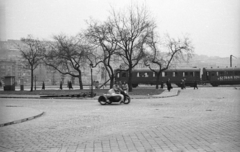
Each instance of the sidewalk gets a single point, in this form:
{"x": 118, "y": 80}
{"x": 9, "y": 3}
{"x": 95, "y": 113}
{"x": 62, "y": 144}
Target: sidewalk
{"x": 12, "y": 115}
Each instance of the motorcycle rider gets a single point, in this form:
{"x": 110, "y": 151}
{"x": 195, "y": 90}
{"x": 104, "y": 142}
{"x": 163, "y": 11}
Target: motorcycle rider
{"x": 116, "y": 90}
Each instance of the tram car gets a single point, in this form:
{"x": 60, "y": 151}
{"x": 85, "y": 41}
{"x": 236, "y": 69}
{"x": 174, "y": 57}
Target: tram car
{"x": 221, "y": 76}
{"x": 146, "y": 76}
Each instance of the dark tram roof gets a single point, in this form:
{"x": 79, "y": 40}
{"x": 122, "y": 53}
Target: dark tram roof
{"x": 168, "y": 70}
{"x": 222, "y": 69}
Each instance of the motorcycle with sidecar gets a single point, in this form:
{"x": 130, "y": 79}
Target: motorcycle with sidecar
{"x": 115, "y": 98}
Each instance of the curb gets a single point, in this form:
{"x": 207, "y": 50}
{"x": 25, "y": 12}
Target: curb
{"x": 21, "y": 120}
{"x": 87, "y": 98}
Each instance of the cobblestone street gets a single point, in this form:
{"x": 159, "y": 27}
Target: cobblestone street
{"x": 203, "y": 120}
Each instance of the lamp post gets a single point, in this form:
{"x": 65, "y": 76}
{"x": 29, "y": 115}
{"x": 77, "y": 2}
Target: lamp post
{"x": 91, "y": 65}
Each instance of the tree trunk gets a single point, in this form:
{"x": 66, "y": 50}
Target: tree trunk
{"x": 80, "y": 81}
{"x": 157, "y": 80}
{"x": 31, "y": 79}
{"x": 130, "y": 80}
{"x": 111, "y": 81}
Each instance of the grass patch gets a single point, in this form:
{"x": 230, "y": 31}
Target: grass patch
{"x": 137, "y": 91}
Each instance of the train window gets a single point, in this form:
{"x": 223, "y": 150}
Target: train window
{"x": 230, "y": 73}
{"x": 163, "y": 74}
{"x": 186, "y": 73}
{"x": 118, "y": 75}
{"x": 166, "y": 73}
{"x": 153, "y": 74}
{"x": 145, "y": 74}
{"x": 212, "y": 73}
{"x": 174, "y": 74}
{"x": 138, "y": 74}
{"x": 183, "y": 74}
{"x": 237, "y": 72}
{"x": 217, "y": 73}
{"x": 124, "y": 75}
{"x": 221, "y": 73}
{"x": 191, "y": 74}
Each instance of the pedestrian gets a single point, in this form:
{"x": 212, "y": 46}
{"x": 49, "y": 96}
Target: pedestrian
{"x": 60, "y": 85}
{"x": 70, "y": 85}
{"x": 182, "y": 84}
{"x": 169, "y": 86}
{"x": 43, "y": 86}
{"x": 162, "y": 85}
{"x": 195, "y": 85}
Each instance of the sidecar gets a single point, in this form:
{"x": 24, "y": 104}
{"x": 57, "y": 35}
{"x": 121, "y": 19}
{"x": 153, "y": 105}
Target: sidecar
{"x": 106, "y": 99}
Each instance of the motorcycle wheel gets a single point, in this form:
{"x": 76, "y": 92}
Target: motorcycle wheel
{"x": 128, "y": 100}
{"x": 102, "y": 100}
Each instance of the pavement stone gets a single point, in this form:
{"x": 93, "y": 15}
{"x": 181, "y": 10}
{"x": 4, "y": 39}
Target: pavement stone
{"x": 206, "y": 119}
{"x": 12, "y": 114}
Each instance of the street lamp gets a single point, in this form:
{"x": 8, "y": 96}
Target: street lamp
{"x": 91, "y": 66}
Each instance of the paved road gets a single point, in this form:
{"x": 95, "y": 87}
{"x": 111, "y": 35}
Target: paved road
{"x": 197, "y": 120}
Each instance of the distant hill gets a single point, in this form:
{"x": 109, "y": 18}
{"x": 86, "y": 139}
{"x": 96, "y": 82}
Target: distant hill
{"x": 7, "y": 51}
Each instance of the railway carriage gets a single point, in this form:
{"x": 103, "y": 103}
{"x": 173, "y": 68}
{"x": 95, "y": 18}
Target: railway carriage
{"x": 146, "y": 76}
{"x": 221, "y": 76}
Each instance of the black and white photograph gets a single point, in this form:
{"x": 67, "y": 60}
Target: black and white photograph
{"x": 119, "y": 75}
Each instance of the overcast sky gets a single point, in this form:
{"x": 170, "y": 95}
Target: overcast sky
{"x": 213, "y": 25}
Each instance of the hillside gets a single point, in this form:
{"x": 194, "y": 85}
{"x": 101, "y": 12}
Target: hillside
{"x": 7, "y": 51}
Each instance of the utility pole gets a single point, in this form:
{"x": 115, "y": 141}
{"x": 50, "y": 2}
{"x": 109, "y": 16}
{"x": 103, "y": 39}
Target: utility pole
{"x": 231, "y": 60}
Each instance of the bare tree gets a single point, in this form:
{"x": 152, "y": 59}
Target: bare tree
{"x": 32, "y": 51}
{"x": 67, "y": 55}
{"x": 100, "y": 35}
{"x": 177, "y": 50}
{"x": 130, "y": 30}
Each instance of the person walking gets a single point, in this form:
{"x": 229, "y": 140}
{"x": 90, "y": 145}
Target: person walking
{"x": 60, "y": 85}
{"x": 43, "y": 86}
{"x": 182, "y": 84}
{"x": 70, "y": 85}
{"x": 169, "y": 86}
{"x": 162, "y": 85}
{"x": 195, "y": 85}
